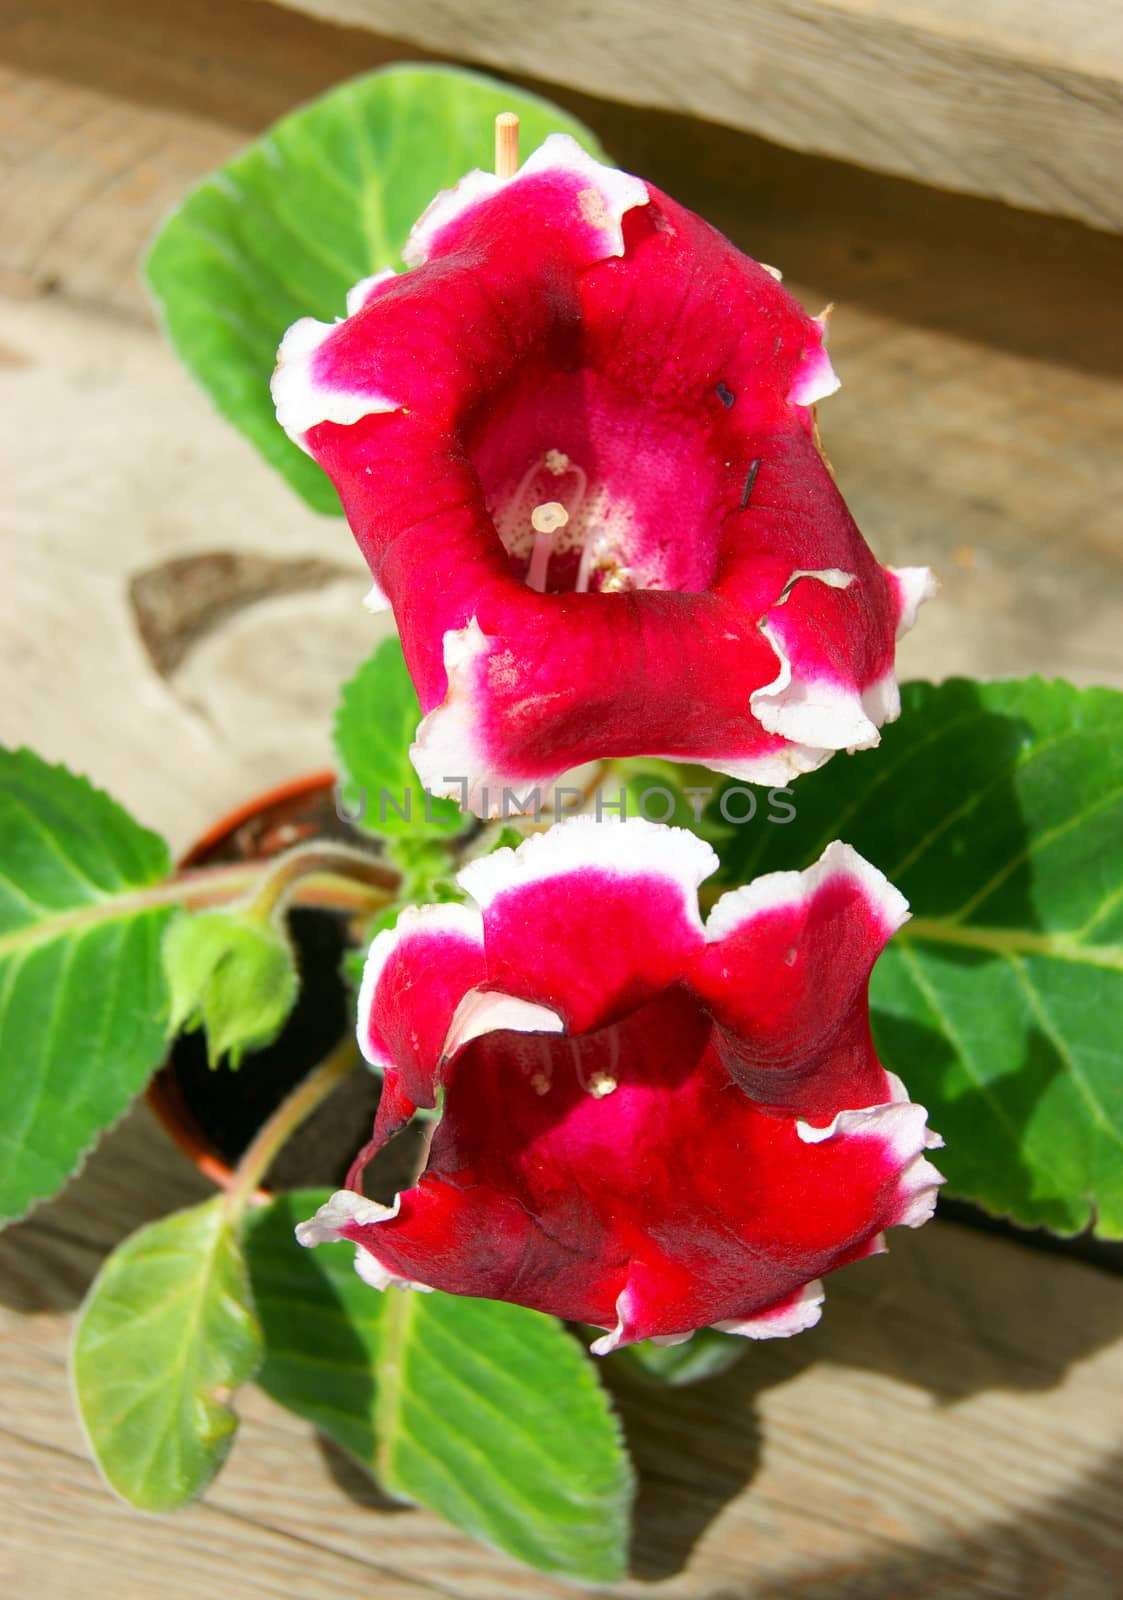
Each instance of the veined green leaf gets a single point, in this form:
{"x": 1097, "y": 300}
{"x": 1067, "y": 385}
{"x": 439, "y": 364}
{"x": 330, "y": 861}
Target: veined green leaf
{"x": 167, "y": 1334}
{"x": 326, "y": 197}
{"x": 375, "y": 724}
{"x": 81, "y": 992}
{"x": 489, "y": 1414}
{"x": 997, "y": 809}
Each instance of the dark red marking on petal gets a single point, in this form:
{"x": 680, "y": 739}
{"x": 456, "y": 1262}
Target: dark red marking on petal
{"x": 754, "y": 468}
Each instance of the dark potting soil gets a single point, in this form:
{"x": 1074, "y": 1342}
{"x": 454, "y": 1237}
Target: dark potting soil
{"x": 230, "y": 1106}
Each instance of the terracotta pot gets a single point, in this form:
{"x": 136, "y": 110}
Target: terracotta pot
{"x": 262, "y": 827}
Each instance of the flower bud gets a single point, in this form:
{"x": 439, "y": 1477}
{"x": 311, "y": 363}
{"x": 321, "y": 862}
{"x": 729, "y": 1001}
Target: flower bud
{"x": 235, "y": 978}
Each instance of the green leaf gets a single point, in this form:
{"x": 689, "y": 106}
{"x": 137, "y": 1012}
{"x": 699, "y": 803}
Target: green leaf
{"x": 659, "y": 791}
{"x": 326, "y": 197}
{"x": 375, "y": 724}
{"x": 81, "y": 994}
{"x": 233, "y": 977}
{"x": 487, "y": 1413}
{"x": 997, "y": 809}
{"x": 167, "y": 1333}
{"x": 507, "y": 838}
{"x": 705, "y": 1355}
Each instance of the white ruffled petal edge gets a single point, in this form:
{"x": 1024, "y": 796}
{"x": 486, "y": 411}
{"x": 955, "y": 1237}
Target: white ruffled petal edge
{"x": 815, "y": 378}
{"x": 375, "y": 600}
{"x": 822, "y": 716}
{"x": 915, "y": 585}
{"x": 444, "y": 918}
{"x": 634, "y": 848}
{"x": 326, "y": 1227}
{"x": 818, "y": 717}
{"x": 607, "y": 195}
{"x": 445, "y": 751}
{"x": 903, "y": 1127}
{"x": 302, "y": 401}
{"x": 802, "y": 1314}
{"x": 778, "y": 889}
{"x": 622, "y": 1332}
{"x": 484, "y": 1011}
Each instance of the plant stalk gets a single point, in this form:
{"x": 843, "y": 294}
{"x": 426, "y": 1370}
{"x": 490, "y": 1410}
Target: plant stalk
{"x": 284, "y": 873}
{"x": 332, "y": 877}
{"x": 279, "y": 1128}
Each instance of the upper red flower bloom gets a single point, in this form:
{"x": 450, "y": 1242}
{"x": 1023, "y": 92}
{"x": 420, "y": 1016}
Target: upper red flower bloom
{"x": 648, "y": 1125}
{"x": 576, "y": 445}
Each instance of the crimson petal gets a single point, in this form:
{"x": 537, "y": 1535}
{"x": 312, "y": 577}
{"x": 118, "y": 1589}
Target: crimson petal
{"x": 572, "y": 341}
{"x": 613, "y": 1148}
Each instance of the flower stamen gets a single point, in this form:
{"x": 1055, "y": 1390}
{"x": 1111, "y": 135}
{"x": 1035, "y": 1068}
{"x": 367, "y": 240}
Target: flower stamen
{"x": 547, "y": 520}
{"x": 602, "y": 1084}
{"x": 593, "y": 552}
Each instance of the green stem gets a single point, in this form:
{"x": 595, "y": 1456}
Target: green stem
{"x": 275, "y": 1133}
{"x": 379, "y": 880}
{"x": 1012, "y": 942}
{"x": 197, "y": 888}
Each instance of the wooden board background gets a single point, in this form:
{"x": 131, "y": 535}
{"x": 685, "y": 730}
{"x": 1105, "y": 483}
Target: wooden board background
{"x": 953, "y": 1428}
{"x": 1016, "y": 102}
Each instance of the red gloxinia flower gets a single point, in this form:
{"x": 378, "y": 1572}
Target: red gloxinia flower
{"x": 576, "y": 445}
{"x": 648, "y": 1125}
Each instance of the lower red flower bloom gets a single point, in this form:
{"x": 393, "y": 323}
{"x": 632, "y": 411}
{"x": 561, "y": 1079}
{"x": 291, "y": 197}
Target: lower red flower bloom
{"x": 648, "y": 1124}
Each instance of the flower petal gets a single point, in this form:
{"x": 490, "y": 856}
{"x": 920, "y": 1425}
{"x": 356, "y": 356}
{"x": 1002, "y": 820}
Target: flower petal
{"x": 585, "y": 199}
{"x": 632, "y": 1186}
{"x": 627, "y": 891}
{"x": 347, "y": 1210}
{"x": 785, "y": 974}
{"x": 306, "y": 386}
{"x": 489, "y": 1011}
{"x": 794, "y": 1314}
{"x": 902, "y": 1127}
{"x": 416, "y": 975}
{"x": 572, "y": 337}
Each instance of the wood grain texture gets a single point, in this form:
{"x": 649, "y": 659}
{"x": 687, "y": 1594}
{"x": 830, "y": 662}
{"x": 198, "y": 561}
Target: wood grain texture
{"x": 948, "y": 1430}
{"x": 962, "y": 97}
{"x": 1001, "y": 471}
{"x": 109, "y": 114}
{"x": 952, "y": 1428}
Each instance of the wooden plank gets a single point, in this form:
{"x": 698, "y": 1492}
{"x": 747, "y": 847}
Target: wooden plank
{"x": 982, "y": 99}
{"x": 950, "y": 1427}
{"x": 108, "y": 114}
{"x": 947, "y": 1429}
{"x": 884, "y": 1453}
{"x": 1002, "y": 472}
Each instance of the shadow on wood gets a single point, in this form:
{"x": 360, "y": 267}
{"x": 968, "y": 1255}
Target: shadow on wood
{"x": 1068, "y": 1548}
{"x": 1033, "y": 284}
{"x": 348, "y": 1476}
